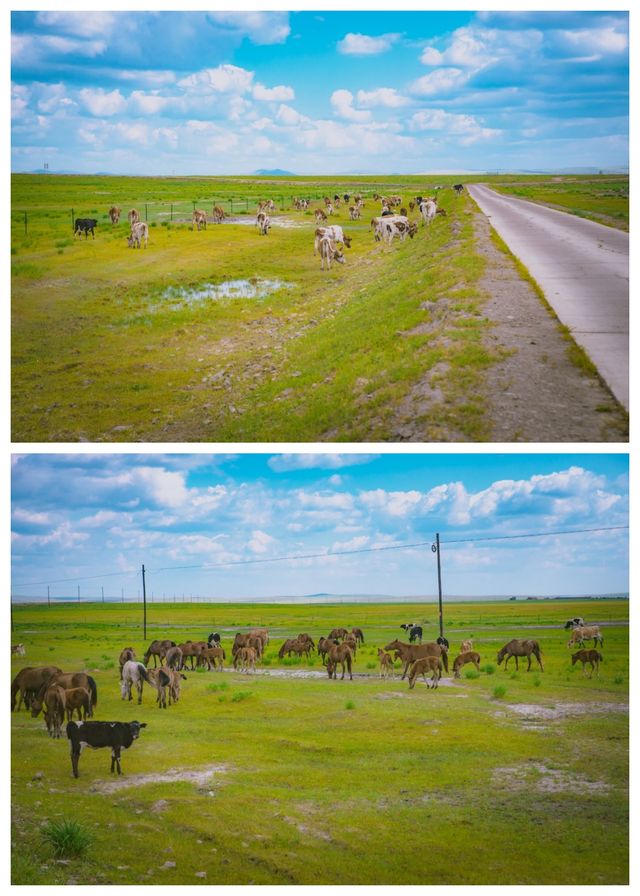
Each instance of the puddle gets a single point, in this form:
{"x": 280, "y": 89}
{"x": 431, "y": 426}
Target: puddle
{"x": 535, "y": 712}
{"x": 198, "y": 776}
{"x": 275, "y": 222}
{"x": 178, "y": 296}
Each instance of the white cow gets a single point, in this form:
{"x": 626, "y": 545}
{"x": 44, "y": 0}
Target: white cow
{"x": 139, "y": 232}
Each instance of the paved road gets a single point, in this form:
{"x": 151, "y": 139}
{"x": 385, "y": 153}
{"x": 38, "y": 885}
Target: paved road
{"x": 583, "y": 270}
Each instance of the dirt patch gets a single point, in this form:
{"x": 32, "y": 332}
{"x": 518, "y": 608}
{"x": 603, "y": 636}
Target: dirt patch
{"x": 198, "y": 776}
{"x": 538, "y": 777}
{"x": 563, "y": 710}
{"x": 536, "y": 393}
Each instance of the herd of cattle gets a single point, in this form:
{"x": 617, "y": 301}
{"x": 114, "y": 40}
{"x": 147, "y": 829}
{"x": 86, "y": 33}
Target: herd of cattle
{"x": 330, "y": 241}
{"x": 59, "y": 695}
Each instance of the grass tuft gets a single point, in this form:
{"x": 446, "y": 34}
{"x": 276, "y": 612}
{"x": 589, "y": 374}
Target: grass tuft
{"x": 499, "y": 691}
{"x": 67, "y": 837}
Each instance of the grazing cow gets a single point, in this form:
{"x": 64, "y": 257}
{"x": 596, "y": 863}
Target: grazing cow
{"x": 29, "y": 682}
{"x": 576, "y": 622}
{"x": 18, "y": 650}
{"x": 409, "y": 653}
{"x": 78, "y": 699}
{"x": 126, "y": 654}
{"x": 117, "y": 735}
{"x": 585, "y": 633}
{"x": 263, "y": 223}
{"x": 459, "y": 188}
{"x": 428, "y": 211}
{"x": 329, "y": 252}
{"x": 520, "y": 647}
{"x": 133, "y": 216}
{"x": 422, "y": 666}
{"x": 85, "y": 225}
{"x": 134, "y": 672}
{"x": 407, "y": 626}
{"x": 354, "y": 212}
{"x": 139, "y": 232}
{"x": 415, "y": 634}
{"x": 213, "y": 640}
{"x": 469, "y": 656}
{"x": 398, "y": 226}
{"x": 386, "y": 663}
{"x": 320, "y": 216}
{"x": 593, "y": 657}
{"x": 334, "y": 232}
{"x": 114, "y": 214}
{"x": 198, "y": 219}
{"x": 339, "y": 653}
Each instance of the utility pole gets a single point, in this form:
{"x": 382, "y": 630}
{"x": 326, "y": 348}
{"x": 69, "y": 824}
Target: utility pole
{"x": 436, "y": 550}
{"x": 144, "y": 600}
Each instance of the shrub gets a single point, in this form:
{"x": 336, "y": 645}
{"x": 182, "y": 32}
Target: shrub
{"x": 239, "y": 696}
{"x": 471, "y": 673}
{"x": 349, "y": 705}
{"x": 537, "y": 681}
{"x": 371, "y": 665}
{"x": 266, "y": 661}
{"x": 488, "y": 668}
{"x": 223, "y": 686}
{"x": 499, "y": 691}
{"x": 67, "y": 837}
{"x": 618, "y": 679}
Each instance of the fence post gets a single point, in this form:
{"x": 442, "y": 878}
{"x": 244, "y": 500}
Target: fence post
{"x": 231, "y": 206}
{"x": 146, "y": 214}
{"x": 172, "y": 211}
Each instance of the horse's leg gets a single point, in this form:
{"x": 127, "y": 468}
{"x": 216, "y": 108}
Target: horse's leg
{"x": 539, "y": 661}
{"x": 405, "y": 669}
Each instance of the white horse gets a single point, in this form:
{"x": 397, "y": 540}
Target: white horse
{"x": 136, "y": 673}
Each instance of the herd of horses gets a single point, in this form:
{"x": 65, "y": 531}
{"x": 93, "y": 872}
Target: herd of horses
{"x": 60, "y": 694}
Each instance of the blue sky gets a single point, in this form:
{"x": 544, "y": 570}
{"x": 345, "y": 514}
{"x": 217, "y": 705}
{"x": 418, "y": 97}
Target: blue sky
{"x": 332, "y": 92}
{"x": 76, "y": 516}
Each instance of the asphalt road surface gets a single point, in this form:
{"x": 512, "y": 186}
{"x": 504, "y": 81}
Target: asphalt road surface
{"x": 582, "y": 268}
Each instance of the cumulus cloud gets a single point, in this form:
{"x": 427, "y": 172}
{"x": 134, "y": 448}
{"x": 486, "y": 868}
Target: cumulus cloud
{"x": 82, "y": 24}
{"x": 466, "y": 127}
{"x": 440, "y": 81}
{"x": 382, "y": 96}
{"x": 259, "y": 27}
{"x": 222, "y": 79}
{"x": 365, "y": 45}
{"x": 342, "y": 103}
{"x": 260, "y": 541}
{"x": 281, "y": 93}
{"x": 102, "y": 103}
{"x": 284, "y": 463}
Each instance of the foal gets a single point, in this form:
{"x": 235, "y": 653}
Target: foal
{"x": 593, "y": 657}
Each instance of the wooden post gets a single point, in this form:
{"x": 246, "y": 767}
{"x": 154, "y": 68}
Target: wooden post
{"x": 172, "y": 211}
{"x": 146, "y": 212}
{"x": 437, "y": 546}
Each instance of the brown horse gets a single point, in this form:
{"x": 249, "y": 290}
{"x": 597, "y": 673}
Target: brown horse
{"x": 593, "y": 657}
{"x": 518, "y": 648}
{"x": 190, "y": 650}
{"x": 68, "y": 680}
{"x": 56, "y": 701}
{"x": 422, "y": 666}
{"x": 469, "y": 656}
{"x": 357, "y": 632}
{"x": 323, "y": 648}
{"x": 338, "y": 634}
{"x": 409, "y": 653}
{"x": 214, "y": 657}
{"x": 339, "y": 653}
{"x": 386, "y": 663}
{"x": 157, "y": 650}
{"x": 28, "y": 682}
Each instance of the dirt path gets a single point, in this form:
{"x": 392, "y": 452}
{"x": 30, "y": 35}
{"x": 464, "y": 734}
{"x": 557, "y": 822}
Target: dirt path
{"x": 537, "y": 393}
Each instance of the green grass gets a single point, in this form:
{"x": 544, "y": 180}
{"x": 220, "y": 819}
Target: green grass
{"x": 602, "y": 199}
{"x": 67, "y": 838}
{"x": 309, "y": 776}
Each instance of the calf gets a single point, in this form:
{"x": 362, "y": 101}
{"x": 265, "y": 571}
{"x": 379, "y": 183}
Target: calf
{"x": 329, "y": 252}
{"x": 334, "y": 232}
{"x": 114, "y": 214}
{"x": 139, "y": 232}
{"x": 116, "y": 735}
{"x": 218, "y": 214}
{"x": 85, "y": 225}
{"x": 133, "y": 216}
{"x": 199, "y": 219}
{"x": 263, "y": 223}
{"x": 18, "y": 650}
{"x": 459, "y": 188}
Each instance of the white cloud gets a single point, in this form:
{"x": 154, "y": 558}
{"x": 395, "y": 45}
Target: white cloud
{"x": 394, "y": 503}
{"x": 223, "y": 79}
{"x": 464, "y": 126}
{"x": 101, "y": 103}
{"x": 20, "y": 96}
{"x": 342, "y": 102}
{"x": 382, "y": 96}
{"x": 278, "y": 94}
{"x": 164, "y": 487}
{"x": 365, "y": 45}
{"x": 283, "y": 463}
{"x": 260, "y": 541}
{"x": 82, "y": 24}
{"x": 442, "y": 80}
{"x": 260, "y": 27}
{"x": 31, "y": 518}
{"x": 325, "y": 500}
{"x": 149, "y": 103}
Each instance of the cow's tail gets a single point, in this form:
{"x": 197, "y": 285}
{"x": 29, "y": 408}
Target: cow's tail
{"x": 93, "y": 687}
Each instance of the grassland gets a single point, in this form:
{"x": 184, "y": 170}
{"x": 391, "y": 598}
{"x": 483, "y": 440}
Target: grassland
{"x": 605, "y": 199}
{"x": 101, "y": 351}
{"x": 505, "y": 777}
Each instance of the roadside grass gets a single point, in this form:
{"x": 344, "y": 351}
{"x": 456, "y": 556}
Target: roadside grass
{"x": 315, "y": 780}
{"x": 605, "y": 200}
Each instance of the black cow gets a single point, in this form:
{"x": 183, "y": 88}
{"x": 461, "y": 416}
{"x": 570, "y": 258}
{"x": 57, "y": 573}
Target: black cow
{"x": 442, "y": 642}
{"x": 102, "y": 734}
{"x": 576, "y": 622}
{"x": 84, "y": 225}
{"x": 213, "y": 640}
{"x": 459, "y": 188}
{"x": 346, "y": 197}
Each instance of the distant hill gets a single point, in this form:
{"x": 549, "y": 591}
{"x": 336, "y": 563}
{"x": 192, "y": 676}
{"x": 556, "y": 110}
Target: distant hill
{"x": 273, "y": 172}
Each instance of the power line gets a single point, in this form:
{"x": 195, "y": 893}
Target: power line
{"x": 324, "y": 554}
